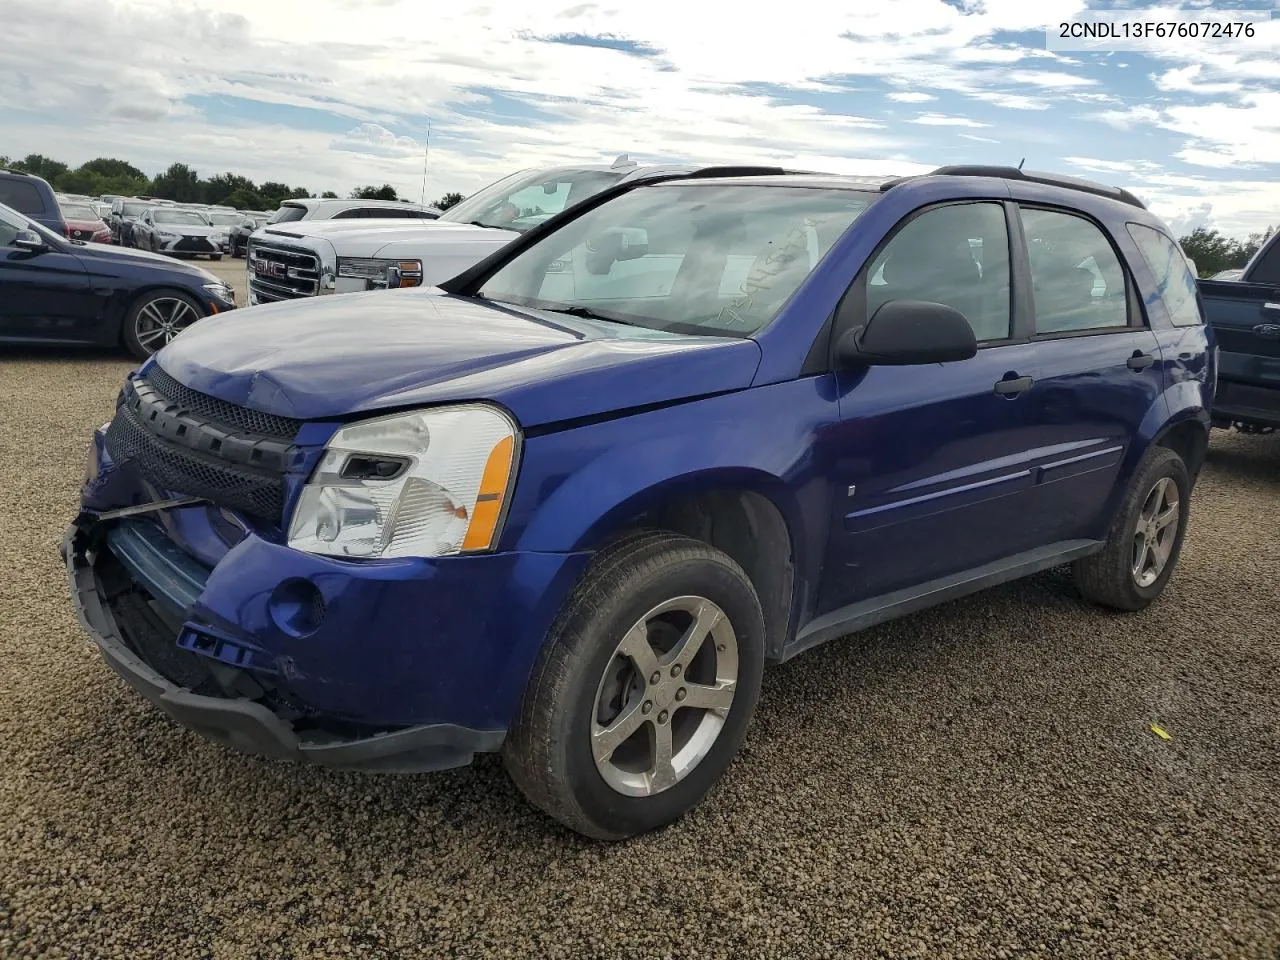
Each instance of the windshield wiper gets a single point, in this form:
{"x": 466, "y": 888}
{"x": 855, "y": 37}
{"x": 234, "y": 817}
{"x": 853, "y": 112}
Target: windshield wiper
{"x": 585, "y": 314}
{"x": 487, "y": 226}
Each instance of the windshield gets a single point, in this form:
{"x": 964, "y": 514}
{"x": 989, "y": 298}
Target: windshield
{"x": 523, "y": 200}
{"x": 79, "y": 211}
{"x": 698, "y": 259}
{"x": 224, "y": 219}
{"x": 133, "y": 209}
{"x": 288, "y": 213}
{"x": 185, "y": 217}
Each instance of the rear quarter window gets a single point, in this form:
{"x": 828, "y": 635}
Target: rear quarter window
{"x": 1175, "y": 286}
{"x": 22, "y": 196}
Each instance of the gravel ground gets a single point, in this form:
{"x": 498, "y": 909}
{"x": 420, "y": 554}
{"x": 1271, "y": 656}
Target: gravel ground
{"x": 977, "y": 781}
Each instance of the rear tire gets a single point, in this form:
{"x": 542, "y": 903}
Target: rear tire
{"x": 697, "y": 619}
{"x": 215, "y": 257}
{"x": 1146, "y": 538}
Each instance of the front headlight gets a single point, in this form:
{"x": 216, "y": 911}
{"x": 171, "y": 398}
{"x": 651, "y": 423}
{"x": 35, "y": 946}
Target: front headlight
{"x": 166, "y": 235}
{"x": 425, "y": 484}
{"x": 221, "y": 291}
{"x": 219, "y": 238}
{"x": 382, "y": 273}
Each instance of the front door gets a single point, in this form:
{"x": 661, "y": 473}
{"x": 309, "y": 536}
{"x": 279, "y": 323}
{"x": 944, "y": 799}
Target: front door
{"x": 933, "y": 462}
{"x": 43, "y": 294}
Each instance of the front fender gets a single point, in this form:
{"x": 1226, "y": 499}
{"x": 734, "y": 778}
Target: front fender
{"x": 578, "y": 487}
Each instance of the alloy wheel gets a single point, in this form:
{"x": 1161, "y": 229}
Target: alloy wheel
{"x": 162, "y": 319}
{"x": 1156, "y": 533}
{"x": 664, "y": 696}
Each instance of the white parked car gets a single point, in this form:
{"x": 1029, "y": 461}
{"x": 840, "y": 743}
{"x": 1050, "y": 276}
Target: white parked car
{"x": 316, "y": 208}
{"x": 290, "y": 260}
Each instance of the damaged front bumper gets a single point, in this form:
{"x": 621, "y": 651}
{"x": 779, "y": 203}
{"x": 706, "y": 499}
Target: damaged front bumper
{"x": 200, "y": 690}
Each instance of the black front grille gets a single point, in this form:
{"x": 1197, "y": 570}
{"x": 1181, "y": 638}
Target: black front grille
{"x": 179, "y": 469}
{"x": 219, "y": 411}
{"x": 195, "y": 245}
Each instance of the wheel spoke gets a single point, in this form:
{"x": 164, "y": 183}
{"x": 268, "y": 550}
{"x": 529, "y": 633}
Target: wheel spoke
{"x": 148, "y": 337}
{"x": 1167, "y": 516}
{"x": 717, "y": 697}
{"x": 1142, "y": 550}
{"x": 662, "y": 774}
{"x": 635, "y": 646}
{"x": 152, "y": 314}
{"x": 688, "y": 646}
{"x": 605, "y": 740}
{"x": 180, "y": 313}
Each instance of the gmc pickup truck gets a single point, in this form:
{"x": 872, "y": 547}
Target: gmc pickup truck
{"x": 1245, "y": 316}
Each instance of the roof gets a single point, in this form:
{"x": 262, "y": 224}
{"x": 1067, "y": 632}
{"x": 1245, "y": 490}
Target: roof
{"x": 829, "y": 181}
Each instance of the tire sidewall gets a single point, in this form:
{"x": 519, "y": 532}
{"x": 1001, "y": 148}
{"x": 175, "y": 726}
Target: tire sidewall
{"x": 619, "y": 813}
{"x": 1171, "y": 466}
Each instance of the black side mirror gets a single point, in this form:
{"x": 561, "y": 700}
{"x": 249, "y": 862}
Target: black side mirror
{"x": 908, "y": 332}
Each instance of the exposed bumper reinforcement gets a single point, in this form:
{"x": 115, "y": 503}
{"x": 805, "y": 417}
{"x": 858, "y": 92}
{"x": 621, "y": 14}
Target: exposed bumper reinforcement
{"x": 250, "y": 727}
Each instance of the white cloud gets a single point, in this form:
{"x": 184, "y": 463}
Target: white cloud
{"x": 941, "y": 120}
{"x": 340, "y": 90}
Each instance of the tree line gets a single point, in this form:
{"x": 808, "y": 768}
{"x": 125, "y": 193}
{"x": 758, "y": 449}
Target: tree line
{"x": 181, "y": 184}
{"x": 1213, "y": 252}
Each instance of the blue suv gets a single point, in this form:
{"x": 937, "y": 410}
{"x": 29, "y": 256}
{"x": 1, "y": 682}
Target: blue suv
{"x": 569, "y": 505}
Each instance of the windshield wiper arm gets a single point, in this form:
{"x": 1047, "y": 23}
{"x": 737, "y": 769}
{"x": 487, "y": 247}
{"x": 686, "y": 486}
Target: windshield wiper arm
{"x": 586, "y": 314}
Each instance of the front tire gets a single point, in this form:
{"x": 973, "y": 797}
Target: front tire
{"x": 155, "y": 319}
{"x": 644, "y": 690}
{"x": 1145, "y": 541}
{"x": 215, "y": 257}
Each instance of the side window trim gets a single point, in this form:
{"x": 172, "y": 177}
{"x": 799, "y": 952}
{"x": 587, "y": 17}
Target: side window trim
{"x": 1131, "y": 323}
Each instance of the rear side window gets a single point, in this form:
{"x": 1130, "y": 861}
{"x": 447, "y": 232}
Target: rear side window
{"x": 22, "y": 196}
{"x": 288, "y": 214}
{"x": 957, "y": 255}
{"x": 1077, "y": 279}
{"x": 1175, "y": 286}
{"x": 1267, "y": 269}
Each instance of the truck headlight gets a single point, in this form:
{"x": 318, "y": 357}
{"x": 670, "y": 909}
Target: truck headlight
{"x": 363, "y": 268}
{"x": 424, "y": 484}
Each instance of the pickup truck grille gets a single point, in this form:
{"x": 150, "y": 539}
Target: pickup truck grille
{"x": 278, "y": 272}
{"x": 186, "y": 442}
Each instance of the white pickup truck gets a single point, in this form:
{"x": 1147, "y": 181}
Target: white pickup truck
{"x": 290, "y": 260}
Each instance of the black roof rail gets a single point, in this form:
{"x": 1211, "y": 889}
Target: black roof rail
{"x": 1028, "y": 176}
{"x": 741, "y": 170}
{"x": 16, "y": 173}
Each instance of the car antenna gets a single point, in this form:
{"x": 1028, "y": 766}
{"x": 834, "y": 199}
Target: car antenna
{"x": 426, "y": 155}
{"x": 1021, "y": 162}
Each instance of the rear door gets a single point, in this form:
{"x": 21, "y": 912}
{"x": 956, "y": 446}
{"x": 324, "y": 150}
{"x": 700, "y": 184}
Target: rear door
{"x": 1101, "y": 370}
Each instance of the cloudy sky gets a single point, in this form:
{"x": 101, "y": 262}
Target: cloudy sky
{"x": 328, "y": 94}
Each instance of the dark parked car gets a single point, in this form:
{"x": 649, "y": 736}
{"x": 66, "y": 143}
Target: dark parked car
{"x": 250, "y": 220}
{"x": 57, "y": 290}
{"x": 125, "y": 212}
{"x": 1245, "y": 316}
{"x": 83, "y": 222}
{"x": 32, "y": 197}
{"x": 570, "y": 503}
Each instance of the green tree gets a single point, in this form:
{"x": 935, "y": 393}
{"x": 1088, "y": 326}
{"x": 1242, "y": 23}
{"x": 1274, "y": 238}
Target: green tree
{"x": 179, "y": 183}
{"x": 42, "y": 167}
{"x": 448, "y": 200}
{"x": 245, "y": 200}
{"x": 328, "y": 195}
{"x": 218, "y": 188}
{"x": 384, "y": 192}
{"x": 1254, "y": 243}
{"x": 1212, "y": 251}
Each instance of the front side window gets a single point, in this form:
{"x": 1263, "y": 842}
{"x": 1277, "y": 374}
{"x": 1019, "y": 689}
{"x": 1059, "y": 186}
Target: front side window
{"x": 687, "y": 258}
{"x": 1266, "y": 268}
{"x": 1175, "y": 286}
{"x": 134, "y": 209}
{"x": 224, "y": 219}
{"x": 1077, "y": 280}
{"x": 956, "y": 255}
{"x": 523, "y": 200}
{"x": 9, "y": 230}
{"x": 79, "y": 211}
